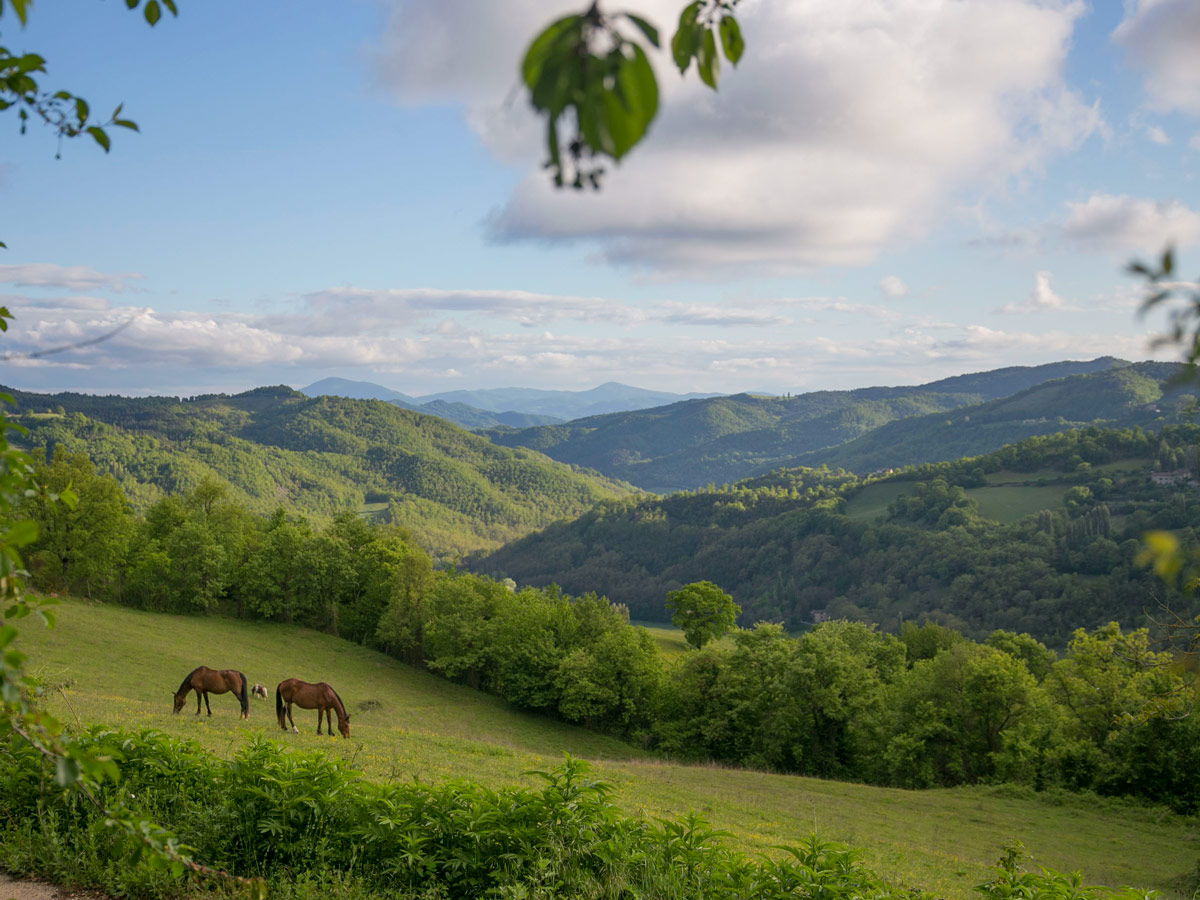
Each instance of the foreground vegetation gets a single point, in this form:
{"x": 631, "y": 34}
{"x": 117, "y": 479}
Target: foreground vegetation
{"x": 407, "y": 723}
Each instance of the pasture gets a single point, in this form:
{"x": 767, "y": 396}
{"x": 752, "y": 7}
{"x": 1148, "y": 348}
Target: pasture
{"x": 125, "y": 666}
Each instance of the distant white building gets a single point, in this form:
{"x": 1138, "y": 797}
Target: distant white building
{"x": 1175, "y": 476}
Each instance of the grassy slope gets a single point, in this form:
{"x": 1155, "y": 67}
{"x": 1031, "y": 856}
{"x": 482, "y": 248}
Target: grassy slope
{"x": 126, "y": 663}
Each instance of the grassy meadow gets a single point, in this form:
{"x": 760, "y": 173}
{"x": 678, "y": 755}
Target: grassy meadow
{"x": 125, "y": 664}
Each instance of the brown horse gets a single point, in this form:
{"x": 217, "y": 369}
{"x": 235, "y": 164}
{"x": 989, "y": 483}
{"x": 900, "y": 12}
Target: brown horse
{"x": 205, "y": 681}
{"x": 320, "y": 697}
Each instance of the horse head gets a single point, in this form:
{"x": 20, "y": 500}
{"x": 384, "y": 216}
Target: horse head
{"x": 179, "y": 698}
{"x": 344, "y": 726}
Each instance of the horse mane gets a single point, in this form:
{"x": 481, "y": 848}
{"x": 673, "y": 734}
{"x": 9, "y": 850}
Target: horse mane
{"x": 187, "y": 678}
{"x": 341, "y": 706}
{"x": 244, "y": 697}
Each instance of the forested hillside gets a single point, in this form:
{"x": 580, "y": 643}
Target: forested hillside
{"x": 1141, "y": 394}
{"x": 320, "y": 456}
{"x": 689, "y": 444}
{"x": 1040, "y": 537}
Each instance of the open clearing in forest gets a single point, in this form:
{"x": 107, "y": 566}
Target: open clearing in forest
{"x": 126, "y": 664}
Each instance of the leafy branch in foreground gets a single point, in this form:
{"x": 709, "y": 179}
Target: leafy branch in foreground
{"x": 64, "y": 112}
{"x": 1184, "y": 319}
{"x": 585, "y": 64}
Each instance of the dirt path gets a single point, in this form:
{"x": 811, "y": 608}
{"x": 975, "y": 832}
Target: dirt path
{"x": 18, "y": 889}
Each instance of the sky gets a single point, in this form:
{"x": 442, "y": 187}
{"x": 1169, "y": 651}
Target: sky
{"x": 882, "y": 192}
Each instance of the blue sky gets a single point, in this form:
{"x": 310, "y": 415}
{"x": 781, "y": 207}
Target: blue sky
{"x": 884, "y": 191}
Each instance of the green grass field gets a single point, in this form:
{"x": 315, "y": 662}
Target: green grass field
{"x": 1008, "y": 504}
{"x": 126, "y": 664}
{"x": 873, "y": 500}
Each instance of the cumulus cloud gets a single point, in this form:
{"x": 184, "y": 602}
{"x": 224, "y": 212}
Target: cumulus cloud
{"x": 1041, "y": 299}
{"x": 71, "y": 278}
{"x": 1161, "y": 37}
{"x": 846, "y": 128}
{"x": 1131, "y": 224}
{"x": 892, "y": 287}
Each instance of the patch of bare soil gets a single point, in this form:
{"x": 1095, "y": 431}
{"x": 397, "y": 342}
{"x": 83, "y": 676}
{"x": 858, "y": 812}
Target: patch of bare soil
{"x": 21, "y": 889}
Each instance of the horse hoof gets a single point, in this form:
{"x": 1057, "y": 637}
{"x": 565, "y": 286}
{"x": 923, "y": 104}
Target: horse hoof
{"x": 295, "y": 730}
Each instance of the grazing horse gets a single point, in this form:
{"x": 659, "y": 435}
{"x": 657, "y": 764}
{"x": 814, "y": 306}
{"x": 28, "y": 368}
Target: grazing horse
{"x": 258, "y": 691}
{"x": 320, "y": 697}
{"x": 205, "y": 681}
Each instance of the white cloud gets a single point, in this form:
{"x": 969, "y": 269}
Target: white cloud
{"x": 1161, "y": 37}
{"x": 72, "y": 278}
{"x": 846, "y": 128}
{"x": 1156, "y": 135}
{"x": 1041, "y": 299}
{"x": 892, "y": 287}
{"x": 673, "y": 313}
{"x": 188, "y": 352}
{"x": 1131, "y": 224}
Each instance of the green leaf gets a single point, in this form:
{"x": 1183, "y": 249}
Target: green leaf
{"x": 153, "y": 12}
{"x": 131, "y": 4}
{"x": 22, "y": 533}
{"x": 3, "y": 246}
{"x": 99, "y": 136}
{"x": 81, "y": 110}
{"x": 686, "y": 41}
{"x": 126, "y": 123}
{"x": 542, "y": 47}
{"x": 21, "y": 8}
{"x": 631, "y": 108}
{"x": 644, "y": 27}
{"x": 707, "y": 61}
{"x": 66, "y": 770}
{"x": 731, "y": 39}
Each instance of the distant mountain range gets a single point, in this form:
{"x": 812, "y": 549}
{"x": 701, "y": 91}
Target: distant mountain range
{"x": 692, "y": 443}
{"x": 505, "y": 407}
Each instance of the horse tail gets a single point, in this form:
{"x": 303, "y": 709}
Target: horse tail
{"x": 244, "y": 697}
{"x": 279, "y": 705}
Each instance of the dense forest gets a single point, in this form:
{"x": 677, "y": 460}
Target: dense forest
{"x": 800, "y": 545}
{"x": 687, "y": 445}
{"x": 922, "y": 708}
{"x": 318, "y": 457}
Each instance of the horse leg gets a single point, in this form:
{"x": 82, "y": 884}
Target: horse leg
{"x": 197, "y": 690}
{"x": 290, "y": 719}
{"x": 329, "y": 721}
{"x": 206, "y": 706}
{"x": 320, "y": 716}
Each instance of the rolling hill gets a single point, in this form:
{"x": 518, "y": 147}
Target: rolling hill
{"x": 688, "y": 444}
{"x": 1041, "y": 537}
{"x": 454, "y": 490}
{"x": 120, "y": 665}
{"x": 1139, "y": 394}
